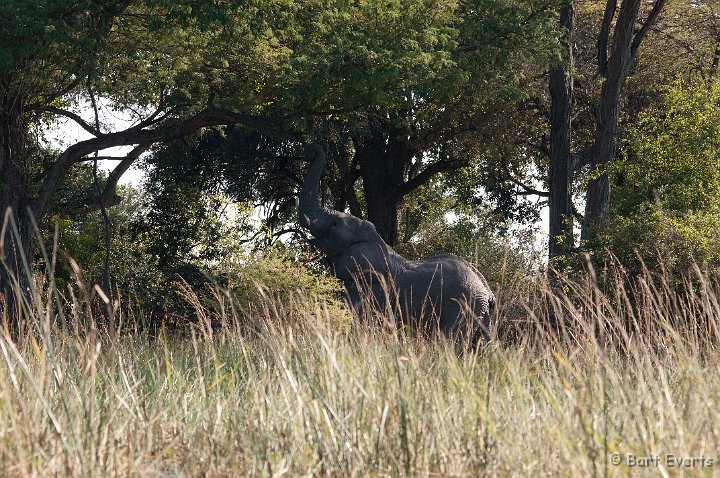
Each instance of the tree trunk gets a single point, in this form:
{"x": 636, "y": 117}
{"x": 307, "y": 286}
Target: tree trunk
{"x": 626, "y": 40}
{"x": 17, "y": 250}
{"x": 603, "y": 152}
{"x": 561, "y": 167}
{"x": 18, "y": 257}
{"x": 384, "y": 159}
{"x": 385, "y": 214}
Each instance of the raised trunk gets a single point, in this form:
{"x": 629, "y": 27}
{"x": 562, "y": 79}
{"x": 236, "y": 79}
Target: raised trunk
{"x": 561, "y": 167}
{"x": 309, "y": 204}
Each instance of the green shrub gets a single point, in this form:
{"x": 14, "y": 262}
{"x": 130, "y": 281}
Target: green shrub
{"x": 133, "y": 272}
{"x": 666, "y": 201}
{"x": 275, "y": 275}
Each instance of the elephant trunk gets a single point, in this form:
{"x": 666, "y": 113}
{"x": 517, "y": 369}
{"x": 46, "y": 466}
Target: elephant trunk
{"x": 309, "y": 204}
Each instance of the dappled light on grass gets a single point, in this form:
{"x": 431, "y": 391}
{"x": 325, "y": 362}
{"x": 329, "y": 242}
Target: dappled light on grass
{"x": 287, "y": 389}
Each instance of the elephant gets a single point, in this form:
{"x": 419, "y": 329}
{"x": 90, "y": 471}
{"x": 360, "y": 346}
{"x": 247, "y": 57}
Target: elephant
{"x": 441, "y": 293}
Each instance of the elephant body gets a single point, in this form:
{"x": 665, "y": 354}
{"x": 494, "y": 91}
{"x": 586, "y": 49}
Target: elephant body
{"x": 443, "y": 292}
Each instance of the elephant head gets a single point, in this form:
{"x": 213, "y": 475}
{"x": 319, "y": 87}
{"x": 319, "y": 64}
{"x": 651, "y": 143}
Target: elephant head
{"x": 347, "y": 241}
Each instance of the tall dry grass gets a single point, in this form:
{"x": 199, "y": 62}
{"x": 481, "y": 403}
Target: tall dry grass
{"x": 630, "y": 370}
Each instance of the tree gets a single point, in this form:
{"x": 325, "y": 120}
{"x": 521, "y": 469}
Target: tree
{"x": 613, "y": 66}
{"x": 136, "y": 276}
{"x": 401, "y": 100}
{"x": 435, "y": 115}
{"x": 560, "y": 171}
{"x": 621, "y": 33}
{"x": 180, "y": 66}
{"x": 157, "y": 59}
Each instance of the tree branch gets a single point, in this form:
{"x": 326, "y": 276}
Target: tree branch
{"x": 532, "y": 192}
{"x": 426, "y": 174}
{"x": 50, "y": 97}
{"x": 75, "y": 117}
{"x": 154, "y": 118}
{"x": 121, "y": 168}
{"x": 103, "y": 158}
{"x": 109, "y": 196}
{"x": 651, "y": 19}
{"x": 526, "y": 190}
{"x": 270, "y": 127}
{"x": 602, "y": 44}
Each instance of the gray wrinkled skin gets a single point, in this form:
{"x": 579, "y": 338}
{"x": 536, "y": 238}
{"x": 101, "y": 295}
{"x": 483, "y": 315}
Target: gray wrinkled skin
{"x": 443, "y": 292}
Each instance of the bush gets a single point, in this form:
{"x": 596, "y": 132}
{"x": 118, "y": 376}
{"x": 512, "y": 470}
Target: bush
{"x": 80, "y": 238}
{"x": 666, "y": 200}
{"x": 275, "y": 275}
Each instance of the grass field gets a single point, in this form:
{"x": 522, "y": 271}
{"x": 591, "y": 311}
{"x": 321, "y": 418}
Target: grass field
{"x": 284, "y": 391}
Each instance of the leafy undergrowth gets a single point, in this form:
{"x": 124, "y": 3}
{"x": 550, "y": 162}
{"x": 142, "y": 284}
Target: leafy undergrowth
{"x": 284, "y": 392}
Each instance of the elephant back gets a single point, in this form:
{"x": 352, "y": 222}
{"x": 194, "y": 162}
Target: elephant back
{"x": 449, "y": 290}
